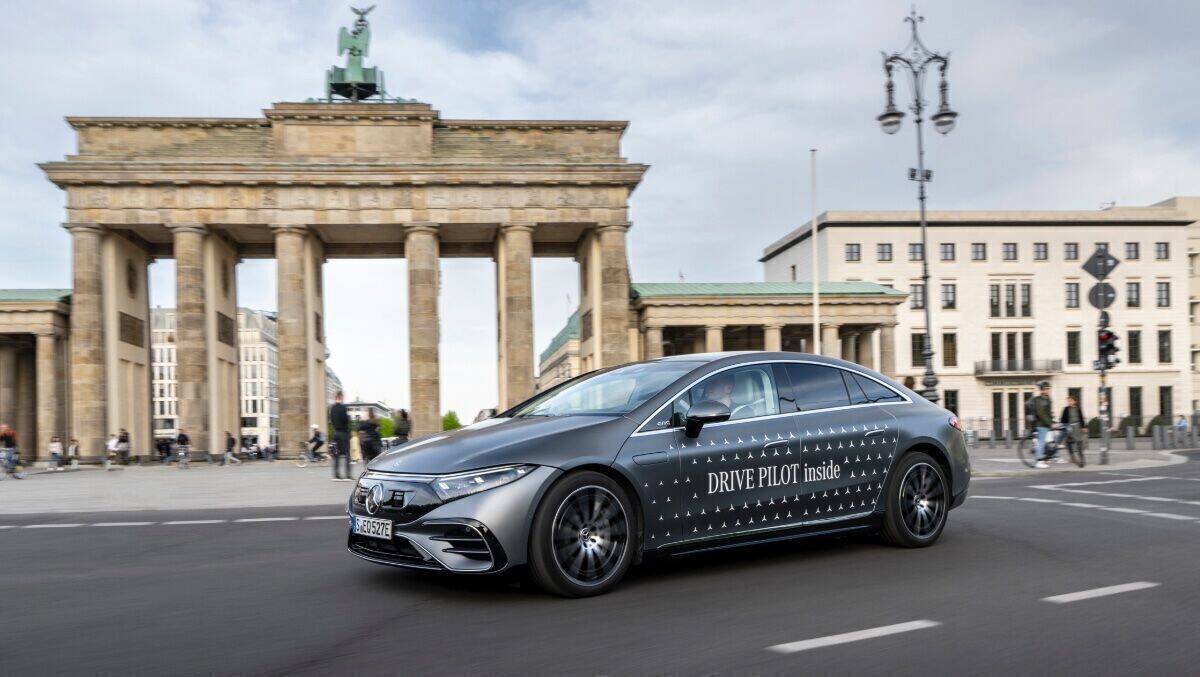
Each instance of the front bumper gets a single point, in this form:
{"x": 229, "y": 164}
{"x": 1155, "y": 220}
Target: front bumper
{"x": 486, "y": 532}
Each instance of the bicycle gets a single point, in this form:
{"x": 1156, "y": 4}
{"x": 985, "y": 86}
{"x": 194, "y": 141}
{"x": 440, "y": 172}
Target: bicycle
{"x": 1056, "y": 441}
{"x": 12, "y": 465}
{"x": 308, "y": 456}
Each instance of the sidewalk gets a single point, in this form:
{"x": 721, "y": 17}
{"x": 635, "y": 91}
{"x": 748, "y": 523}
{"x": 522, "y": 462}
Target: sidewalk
{"x": 1002, "y": 461}
{"x": 201, "y": 486}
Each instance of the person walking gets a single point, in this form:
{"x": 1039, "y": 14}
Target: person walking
{"x": 368, "y": 437}
{"x": 1074, "y": 427}
{"x": 73, "y": 452}
{"x": 1040, "y": 410}
{"x": 403, "y": 426}
{"x": 110, "y": 451}
{"x": 230, "y": 458}
{"x": 123, "y": 446}
{"x": 56, "y": 453}
{"x": 182, "y": 447}
{"x": 339, "y": 419}
{"x": 8, "y": 445}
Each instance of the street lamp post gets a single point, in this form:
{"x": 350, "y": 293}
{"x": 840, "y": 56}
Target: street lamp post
{"x": 916, "y": 60}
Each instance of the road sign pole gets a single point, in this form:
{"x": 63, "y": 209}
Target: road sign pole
{"x": 1102, "y": 295}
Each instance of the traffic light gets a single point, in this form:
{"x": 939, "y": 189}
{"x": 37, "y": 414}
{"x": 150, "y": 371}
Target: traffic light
{"x": 1107, "y": 344}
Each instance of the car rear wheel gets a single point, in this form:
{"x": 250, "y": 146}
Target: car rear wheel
{"x": 583, "y": 536}
{"x": 918, "y": 499}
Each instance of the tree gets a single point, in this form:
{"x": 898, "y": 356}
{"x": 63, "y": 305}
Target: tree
{"x": 387, "y": 427}
{"x": 450, "y": 421}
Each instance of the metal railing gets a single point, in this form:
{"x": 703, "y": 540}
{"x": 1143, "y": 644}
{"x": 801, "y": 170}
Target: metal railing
{"x": 1017, "y": 366}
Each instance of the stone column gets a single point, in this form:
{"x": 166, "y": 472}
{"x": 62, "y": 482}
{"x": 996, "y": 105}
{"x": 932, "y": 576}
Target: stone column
{"x": 866, "y": 348}
{"x": 423, "y": 251}
{"x": 87, "y": 389}
{"x": 26, "y": 406}
{"x": 653, "y": 343}
{"x": 613, "y": 297}
{"x": 714, "y": 338}
{"x": 48, "y": 376}
{"x": 514, "y": 304}
{"x": 887, "y": 349}
{"x": 831, "y": 343}
{"x": 191, "y": 336}
{"x": 292, "y": 335}
{"x": 8, "y": 385}
{"x": 772, "y": 337}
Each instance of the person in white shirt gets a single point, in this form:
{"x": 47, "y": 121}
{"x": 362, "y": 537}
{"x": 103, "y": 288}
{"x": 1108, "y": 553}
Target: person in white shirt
{"x": 56, "y": 453}
{"x": 112, "y": 448}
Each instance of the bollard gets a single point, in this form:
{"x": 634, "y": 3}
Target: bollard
{"x": 1193, "y": 436}
{"x": 1130, "y": 441}
{"x": 1008, "y": 437}
{"x": 1156, "y": 437}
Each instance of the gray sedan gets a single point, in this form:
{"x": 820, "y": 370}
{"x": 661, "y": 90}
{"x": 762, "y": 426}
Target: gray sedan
{"x": 681, "y": 454}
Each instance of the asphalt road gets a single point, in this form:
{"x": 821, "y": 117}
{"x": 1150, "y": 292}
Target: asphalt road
{"x": 282, "y": 596}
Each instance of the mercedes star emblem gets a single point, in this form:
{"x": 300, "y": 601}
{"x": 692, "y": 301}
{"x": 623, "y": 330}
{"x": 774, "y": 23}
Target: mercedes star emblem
{"x": 374, "y": 499}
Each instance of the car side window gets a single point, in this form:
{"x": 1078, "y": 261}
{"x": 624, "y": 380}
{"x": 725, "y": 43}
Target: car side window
{"x": 876, "y": 391}
{"x": 816, "y": 386}
{"x": 749, "y": 392}
{"x": 857, "y": 396}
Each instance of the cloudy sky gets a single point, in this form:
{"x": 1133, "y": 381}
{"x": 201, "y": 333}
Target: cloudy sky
{"x": 1063, "y": 105}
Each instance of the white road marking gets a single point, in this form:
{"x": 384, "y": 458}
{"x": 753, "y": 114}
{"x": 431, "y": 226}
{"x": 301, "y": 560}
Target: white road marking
{"x": 1038, "y": 500}
{"x": 1099, "y": 592}
{"x": 998, "y": 498}
{"x": 267, "y": 519}
{"x": 172, "y": 523}
{"x": 1158, "y": 499}
{"x": 845, "y": 638}
{"x": 190, "y": 522}
{"x": 1128, "y": 511}
{"x": 1095, "y": 482}
{"x": 122, "y": 524}
{"x": 51, "y": 526}
{"x": 328, "y": 517}
{"x": 1171, "y": 516}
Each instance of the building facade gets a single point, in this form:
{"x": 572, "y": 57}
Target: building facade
{"x": 359, "y": 409}
{"x": 1010, "y": 301}
{"x": 258, "y": 381}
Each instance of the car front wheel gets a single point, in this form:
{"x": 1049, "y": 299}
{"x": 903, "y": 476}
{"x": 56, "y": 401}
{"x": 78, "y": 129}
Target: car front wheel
{"x": 917, "y": 501}
{"x": 583, "y": 536}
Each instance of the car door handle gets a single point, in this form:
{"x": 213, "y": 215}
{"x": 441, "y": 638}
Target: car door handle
{"x": 652, "y": 458}
{"x": 878, "y": 431}
{"x": 776, "y": 443}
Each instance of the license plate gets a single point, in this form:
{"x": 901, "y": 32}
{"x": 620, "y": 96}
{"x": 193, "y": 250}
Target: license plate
{"x": 375, "y": 528}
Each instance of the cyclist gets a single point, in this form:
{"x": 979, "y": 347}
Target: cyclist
{"x": 1042, "y": 413}
{"x": 316, "y": 442}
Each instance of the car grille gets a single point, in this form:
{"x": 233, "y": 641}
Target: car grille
{"x": 466, "y": 542}
{"x": 396, "y": 551}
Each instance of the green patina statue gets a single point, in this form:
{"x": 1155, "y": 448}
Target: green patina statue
{"x": 355, "y": 82}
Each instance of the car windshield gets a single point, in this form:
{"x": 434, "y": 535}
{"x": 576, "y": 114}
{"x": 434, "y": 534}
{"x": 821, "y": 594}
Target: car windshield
{"x": 608, "y": 393}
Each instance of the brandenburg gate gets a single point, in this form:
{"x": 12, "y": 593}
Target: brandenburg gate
{"x": 308, "y": 182}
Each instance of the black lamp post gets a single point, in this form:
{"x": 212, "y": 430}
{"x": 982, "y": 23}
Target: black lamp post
{"x": 916, "y": 60}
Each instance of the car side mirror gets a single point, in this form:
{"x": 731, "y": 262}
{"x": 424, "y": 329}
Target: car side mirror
{"x": 708, "y": 411}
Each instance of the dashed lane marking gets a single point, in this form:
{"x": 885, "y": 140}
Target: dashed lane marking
{"x": 122, "y": 524}
{"x": 847, "y": 637}
{"x": 1099, "y": 592}
{"x": 1093, "y": 506}
{"x": 172, "y": 523}
{"x": 190, "y": 522}
{"x": 1139, "y": 497}
{"x": 51, "y": 526}
{"x": 327, "y": 517}
{"x": 267, "y": 519}
{"x": 1140, "y": 478}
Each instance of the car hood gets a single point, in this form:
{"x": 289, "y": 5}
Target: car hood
{"x": 557, "y": 441}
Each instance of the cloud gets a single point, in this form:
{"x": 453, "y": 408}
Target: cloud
{"x": 1063, "y": 105}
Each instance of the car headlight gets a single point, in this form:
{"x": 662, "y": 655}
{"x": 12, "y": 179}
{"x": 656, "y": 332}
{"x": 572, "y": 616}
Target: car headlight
{"x": 450, "y": 487}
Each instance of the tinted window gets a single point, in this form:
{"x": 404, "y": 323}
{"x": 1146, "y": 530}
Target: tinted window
{"x": 857, "y": 396}
{"x": 876, "y": 391}
{"x": 749, "y": 392}
{"x": 606, "y": 393}
{"x": 817, "y": 387}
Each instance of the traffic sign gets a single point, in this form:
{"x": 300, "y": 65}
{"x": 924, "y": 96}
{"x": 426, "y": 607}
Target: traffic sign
{"x": 1102, "y": 296}
{"x": 1100, "y": 264}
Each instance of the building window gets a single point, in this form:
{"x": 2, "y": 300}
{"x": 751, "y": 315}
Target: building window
{"x": 916, "y": 296}
{"x": 883, "y": 251}
{"x": 946, "y": 249}
{"x": 979, "y": 251}
{"x": 1133, "y": 294}
{"x": 1164, "y": 346}
{"x": 1010, "y": 300}
{"x": 916, "y": 251}
{"x": 1165, "y": 406}
{"x": 1073, "y": 356}
{"x": 1009, "y": 251}
{"x": 1162, "y": 294}
{"x": 950, "y": 349}
{"x": 918, "y": 347}
{"x": 853, "y": 252}
{"x": 1041, "y": 251}
{"x": 1071, "y": 251}
{"x": 1133, "y": 251}
{"x": 994, "y": 300}
{"x": 1135, "y": 346}
{"x": 1027, "y": 345}
{"x": 1135, "y": 404}
{"x": 949, "y": 296}
{"x": 950, "y": 397}
{"x": 1072, "y": 294}
{"x": 1026, "y": 300}
{"x": 1102, "y": 246}
{"x": 1162, "y": 250}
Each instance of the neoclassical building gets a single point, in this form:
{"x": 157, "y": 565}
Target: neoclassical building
{"x": 303, "y": 183}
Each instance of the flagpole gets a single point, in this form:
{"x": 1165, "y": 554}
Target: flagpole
{"x": 812, "y": 238}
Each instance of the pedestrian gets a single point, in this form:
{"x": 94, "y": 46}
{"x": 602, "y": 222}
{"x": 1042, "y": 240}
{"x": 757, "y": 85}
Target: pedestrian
{"x": 180, "y": 452}
{"x": 110, "y": 450}
{"x": 368, "y": 437}
{"x": 403, "y": 426}
{"x": 56, "y": 453}
{"x": 8, "y": 445}
{"x": 123, "y": 446}
{"x": 1181, "y": 425}
{"x": 315, "y": 442}
{"x": 73, "y": 452}
{"x": 1075, "y": 426}
{"x": 910, "y": 382}
{"x": 1040, "y": 410}
{"x": 229, "y": 456}
{"x": 339, "y": 419}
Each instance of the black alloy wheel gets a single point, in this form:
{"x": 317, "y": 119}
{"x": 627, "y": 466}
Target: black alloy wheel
{"x": 917, "y": 501}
